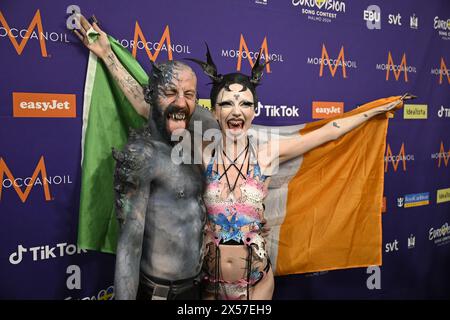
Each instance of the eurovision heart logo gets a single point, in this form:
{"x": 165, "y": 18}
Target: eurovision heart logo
{"x": 320, "y": 3}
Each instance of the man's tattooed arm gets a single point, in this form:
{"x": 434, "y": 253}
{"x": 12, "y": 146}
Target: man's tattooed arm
{"x": 129, "y": 86}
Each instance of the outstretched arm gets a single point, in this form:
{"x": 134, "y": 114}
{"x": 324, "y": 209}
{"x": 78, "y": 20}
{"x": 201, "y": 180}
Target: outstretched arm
{"x": 294, "y": 147}
{"x": 102, "y": 49}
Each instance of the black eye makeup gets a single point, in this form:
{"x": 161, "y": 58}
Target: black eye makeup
{"x": 226, "y": 103}
{"x": 247, "y": 104}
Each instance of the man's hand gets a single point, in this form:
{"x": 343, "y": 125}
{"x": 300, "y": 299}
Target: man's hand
{"x": 101, "y": 46}
{"x": 97, "y": 41}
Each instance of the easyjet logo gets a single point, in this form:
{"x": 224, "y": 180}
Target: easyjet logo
{"x": 396, "y": 69}
{"x": 326, "y": 109}
{"x": 244, "y": 53}
{"x": 395, "y": 159}
{"x": 44, "y": 105}
{"x": 442, "y": 156}
{"x": 12, "y": 33}
{"x": 332, "y": 64}
{"x": 16, "y": 183}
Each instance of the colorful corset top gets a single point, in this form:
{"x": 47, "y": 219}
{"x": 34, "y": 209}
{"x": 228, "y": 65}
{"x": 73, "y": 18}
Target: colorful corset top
{"x": 230, "y": 218}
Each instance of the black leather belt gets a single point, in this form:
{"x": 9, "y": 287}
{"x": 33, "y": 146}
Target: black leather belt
{"x": 162, "y": 289}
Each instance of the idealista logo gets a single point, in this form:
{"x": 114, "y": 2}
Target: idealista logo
{"x": 395, "y": 159}
{"x": 164, "y": 44}
{"x": 326, "y": 109}
{"x": 19, "y": 36}
{"x": 320, "y": 10}
{"x": 415, "y": 111}
{"x": 441, "y": 235}
{"x": 244, "y": 53}
{"x": 29, "y": 182}
{"x": 443, "y": 195}
{"x": 396, "y": 69}
{"x": 332, "y": 64}
{"x": 414, "y": 200}
{"x": 372, "y": 16}
{"x": 442, "y": 27}
{"x": 44, "y": 105}
{"x": 441, "y": 72}
{"x": 267, "y": 110}
{"x": 442, "y": 155}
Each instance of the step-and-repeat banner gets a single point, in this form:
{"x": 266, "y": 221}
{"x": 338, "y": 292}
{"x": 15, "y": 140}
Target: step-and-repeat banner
{"x": 328, "y": 57}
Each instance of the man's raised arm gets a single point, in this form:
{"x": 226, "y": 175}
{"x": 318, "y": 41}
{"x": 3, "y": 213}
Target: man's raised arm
{"x": 102, "y": 49}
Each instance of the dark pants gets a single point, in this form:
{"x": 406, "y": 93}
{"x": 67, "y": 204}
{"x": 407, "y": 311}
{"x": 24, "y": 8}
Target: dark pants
{"x": 151, "y": 288}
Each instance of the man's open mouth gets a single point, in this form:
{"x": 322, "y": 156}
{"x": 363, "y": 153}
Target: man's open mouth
{"x": 235, "y": 124}
{"x": 177, "y": 115}
{"x": 177, "y": 119}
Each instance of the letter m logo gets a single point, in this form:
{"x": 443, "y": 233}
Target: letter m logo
{"x": 444, "y": 70}
{"x": 397, "y": 73}
{"x": 139, "y": 35}
{"x": 36, "y": 22}
{"x": 390, "y": 158}
{"x": 445, "y": 155}
{"x": 243, "y": 46}
{"x": 40, "y": 168}
{"x": 326, "y": 57}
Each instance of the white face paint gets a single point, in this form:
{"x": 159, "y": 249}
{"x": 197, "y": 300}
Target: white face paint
{"x": 235, "y": 110}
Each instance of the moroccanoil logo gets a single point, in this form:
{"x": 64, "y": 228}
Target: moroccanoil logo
{"x": 443, "y": 195}
{"x": 441, "y": 72}
{"x": 326, "y": 109}
{"x": 153, "y": 48}
{"x": 397, "y": 69}
{"x": 396, "y": 159}
{"x": 251, "y": 55}
{"x": 16, "y": 183}
{"x": 332, "y": 64}
{"x": 23, "y": 185}
{"x": 44, "y": 105}
{"x": 442, "y": 156}
{"x": 13, "y": 33}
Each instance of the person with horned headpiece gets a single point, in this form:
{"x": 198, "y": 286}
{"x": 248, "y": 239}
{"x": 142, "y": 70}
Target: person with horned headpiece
{"x": 238, "y": 172}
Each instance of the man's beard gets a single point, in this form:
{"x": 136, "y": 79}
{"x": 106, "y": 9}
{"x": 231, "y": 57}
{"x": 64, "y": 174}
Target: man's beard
{"x": 170, "y": 117}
